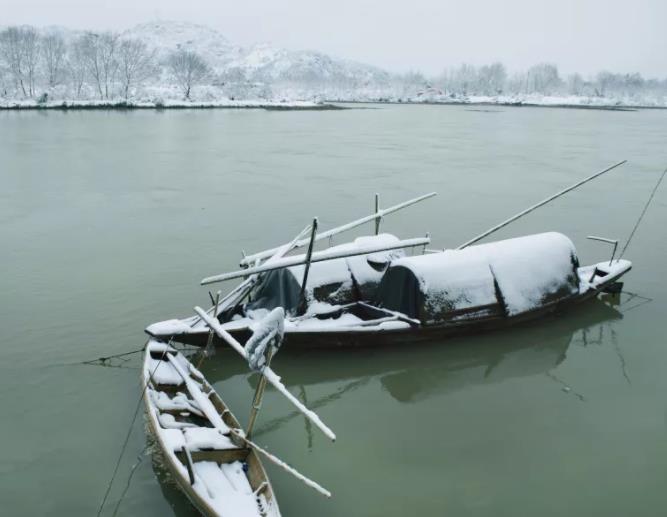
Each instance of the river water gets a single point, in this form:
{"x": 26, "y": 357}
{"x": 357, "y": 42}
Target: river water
{"x": 108, "y": 220}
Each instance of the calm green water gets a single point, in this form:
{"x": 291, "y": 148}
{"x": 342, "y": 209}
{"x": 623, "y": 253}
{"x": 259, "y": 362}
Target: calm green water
{"x": 108, "y": 220}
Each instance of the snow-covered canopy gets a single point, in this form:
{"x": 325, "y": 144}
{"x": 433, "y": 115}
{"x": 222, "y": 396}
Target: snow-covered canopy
{"x": 336, "y": 281}
{"x": 514, "y": 275}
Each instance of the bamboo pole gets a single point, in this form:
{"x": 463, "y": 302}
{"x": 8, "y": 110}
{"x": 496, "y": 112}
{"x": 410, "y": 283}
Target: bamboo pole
{"x": 316, "y": 257}
{"x": 340, "y": 229}
{"x": 244, "y": 287}
{"x": 209, "y": 341}
{"x": 301, "y": 308}
{"x": 259, "y": 394}
{"x": 270, "y": 375}
{"x": 538, "y": 205}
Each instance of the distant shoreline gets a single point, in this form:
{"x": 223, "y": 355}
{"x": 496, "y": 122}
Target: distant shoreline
{"x": 128, "y": 106}
{"x": 518, "y": 104}
{"x": 293, "y": 105}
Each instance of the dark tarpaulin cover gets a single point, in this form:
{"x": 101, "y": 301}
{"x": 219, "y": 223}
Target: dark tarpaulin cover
{"x": 337, "y": 281}
{"x": 278, "y": 288}
{"x": 516, "y": 275}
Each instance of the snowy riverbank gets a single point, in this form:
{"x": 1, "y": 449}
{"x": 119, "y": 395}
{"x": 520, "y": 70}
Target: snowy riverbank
{"x": 167, "y": 104}
{"x": 570, "y": 101}
{"x": 335, "y": 104}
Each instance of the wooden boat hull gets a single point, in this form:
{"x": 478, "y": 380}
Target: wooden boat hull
{"x": 332, "y": 337}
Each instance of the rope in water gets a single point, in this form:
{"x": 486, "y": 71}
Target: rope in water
{"x": 655, "y": 189}
{"x": 127, "y": 439}
{"x": 140, "y": 458}
{"x": 104, "y": 359}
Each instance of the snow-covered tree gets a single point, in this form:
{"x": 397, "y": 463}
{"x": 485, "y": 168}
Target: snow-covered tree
{"x": 31, "y": 55}
{"x": 135, "y": 63}
{"x": 575, "y": 84}
{"x": 188, "y": 69}
{"x": 19, "y": 52}
{"x": 543, "y": 78}
{"x": 100, "y": 56}
{"x": 491, "y": 79}
{"x": 53, "y": 54}
{"x": 603, "y": 82}
{"x": 76, "y": 64}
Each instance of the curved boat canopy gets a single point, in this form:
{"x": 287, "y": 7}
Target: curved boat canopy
{"x": 507, "y": 277}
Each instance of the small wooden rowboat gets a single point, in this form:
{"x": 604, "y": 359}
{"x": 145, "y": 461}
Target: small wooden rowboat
{"x": 201, "y": 440}
{"x": 212, "y": 459}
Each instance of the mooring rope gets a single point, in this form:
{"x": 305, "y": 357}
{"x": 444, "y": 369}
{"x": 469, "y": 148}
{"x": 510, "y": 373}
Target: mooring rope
{"x": 657, "y": 185}
{"x": 105, "y": 359}
{"x": 127, "y": 439}
{"x": 140, "y": 458}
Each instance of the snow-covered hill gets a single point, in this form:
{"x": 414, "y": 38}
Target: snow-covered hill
{"x": 259, "y": 63}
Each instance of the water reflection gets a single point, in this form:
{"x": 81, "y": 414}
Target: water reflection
{"x": 418, "y": 372}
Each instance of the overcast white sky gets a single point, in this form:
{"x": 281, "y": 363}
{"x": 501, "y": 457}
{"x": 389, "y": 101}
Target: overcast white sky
{"x": 427, "y": 35}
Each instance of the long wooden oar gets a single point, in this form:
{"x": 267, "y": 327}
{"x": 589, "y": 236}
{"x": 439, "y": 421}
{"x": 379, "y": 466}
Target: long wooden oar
{"x": 283, "y": 465}
{"x": 541, "y": 203}
{"x": 250, "y": 259}
{"x": 207, "y": 408}
{"x": 270, "y": 375}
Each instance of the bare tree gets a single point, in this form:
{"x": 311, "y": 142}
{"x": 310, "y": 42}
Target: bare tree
{"x": 77, "y": 64}
{"x": 3, "y": 82}
{"x": 18, "y": 48}
{"x": 575, "y": 84}
{"x": 543, "y": 78}
{"x": 30, "y": 44}
{"x": 491, "y": 79}
{"x": 188, "y": 68}
{"x": 53, "y": 53}
{"x": 100, "y": 52}
{"x": 135, "y": 63}
{"x": 603, "y": 82}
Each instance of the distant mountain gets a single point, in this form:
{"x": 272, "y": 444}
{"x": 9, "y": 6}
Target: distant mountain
{"x": 257, "y": 63}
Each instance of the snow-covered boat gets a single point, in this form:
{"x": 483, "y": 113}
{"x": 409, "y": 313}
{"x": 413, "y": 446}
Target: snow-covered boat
{"x": 370, "y": 291}
{"x": 218, "y": 472}
{"x": 210, "y": 456}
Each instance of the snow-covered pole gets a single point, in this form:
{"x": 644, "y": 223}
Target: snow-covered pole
{"x": 267, "y": 372}
{"x": 378, "y": 219}
{"x": 538, "y": 205}
{"x": 340, "y": 229}
{"x": 319, "y": 256}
